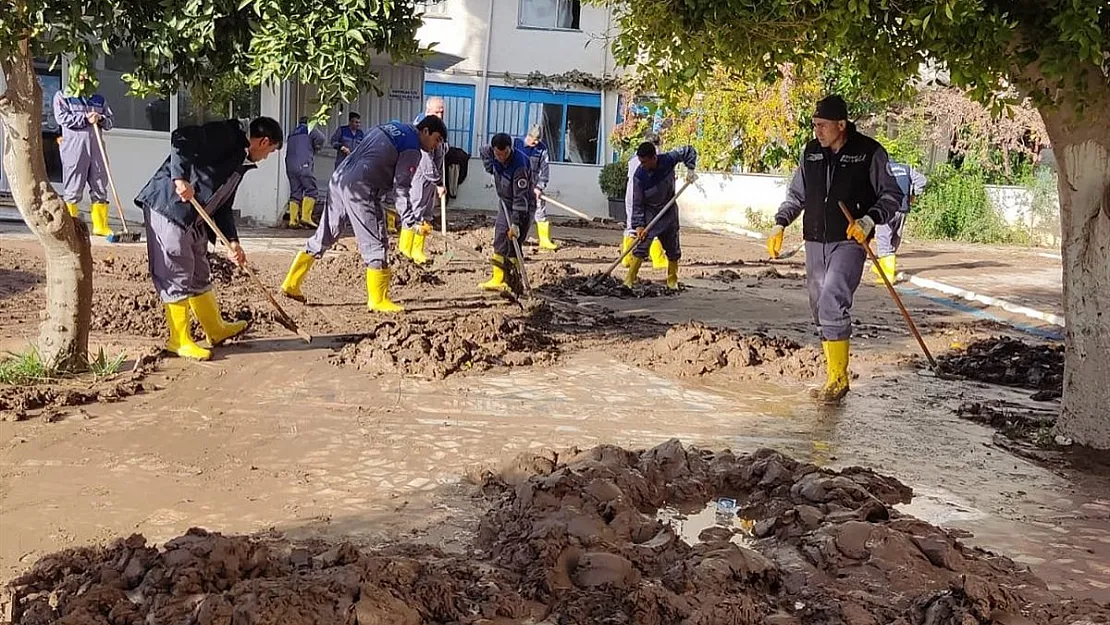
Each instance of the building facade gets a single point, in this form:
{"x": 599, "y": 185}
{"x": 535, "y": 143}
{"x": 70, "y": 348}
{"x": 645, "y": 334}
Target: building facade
{"x": 522, "y": 63}
{"x": 485, "y": 51}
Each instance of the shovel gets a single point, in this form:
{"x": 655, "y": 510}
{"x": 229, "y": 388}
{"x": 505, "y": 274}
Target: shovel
{"x": 115, "y": 237}
{"x": 598, "y": 278}
{"x": 282, "y": 317}
{"x": 894, "y": 294}
{"x": 572, "y": 211}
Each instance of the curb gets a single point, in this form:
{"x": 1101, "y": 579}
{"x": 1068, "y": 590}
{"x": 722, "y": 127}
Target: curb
{"x": 1025, "y": 311}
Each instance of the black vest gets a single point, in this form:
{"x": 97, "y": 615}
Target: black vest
{"x": 833, "y": 178}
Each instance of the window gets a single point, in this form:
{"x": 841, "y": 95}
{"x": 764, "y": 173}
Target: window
{"x": 245, "y": 104}
{"x": 432, "y": 8}
{"x": 554, "y": 14}
{"x": 458, "y": 104}
{"x": 135, "y": 113}
{"x": 571, "y": 121}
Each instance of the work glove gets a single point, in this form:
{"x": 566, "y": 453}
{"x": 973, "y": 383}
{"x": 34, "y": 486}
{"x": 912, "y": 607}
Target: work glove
{"x": 425, "y": 228}
{"x": 690, "y": 176}
{"x": 441, "y": 191}
{"x": 774, "y": 242}
{"x": 641, "y": 233}
{"x": 862, "y": 229}
{"x": 514, "y": 232}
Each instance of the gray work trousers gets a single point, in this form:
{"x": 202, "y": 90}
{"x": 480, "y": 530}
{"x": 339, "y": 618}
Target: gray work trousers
{"x": 423, "y": 201}
{"x": 501, "y": 243}
{"x": 367, "y": 219}
{"x": 177, "y": 258}
{"x": 302, "y": 184}
{"x": 667, "y": 233}
{"x": 833, "y": 272}
{"x": 888, "y": 236}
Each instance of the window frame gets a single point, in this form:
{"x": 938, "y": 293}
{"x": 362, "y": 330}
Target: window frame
{"x": 522, "y": 26}
{"x": 547, "y": 96}
{"x": 443, "y": 89}
{"x": 100, "y": 65}
{"x": 441, "y": 14}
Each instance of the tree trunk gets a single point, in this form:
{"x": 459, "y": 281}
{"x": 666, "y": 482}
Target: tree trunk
{"x": 1081, "y": 143}
{"x": 64, "y": 336}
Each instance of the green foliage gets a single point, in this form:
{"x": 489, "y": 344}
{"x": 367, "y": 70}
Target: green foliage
{"x": 955, "y": 206}
{"x": 216, "y": 43}
{"x": 103, "y": 365}
{"x": 613, "y": 179}
{"x": 908, "y": 143}
{"x": 23, "y": 368}
{"x": 986, "y": 45}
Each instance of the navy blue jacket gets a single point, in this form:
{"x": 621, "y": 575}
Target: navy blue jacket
{"x": 206, "y": 156}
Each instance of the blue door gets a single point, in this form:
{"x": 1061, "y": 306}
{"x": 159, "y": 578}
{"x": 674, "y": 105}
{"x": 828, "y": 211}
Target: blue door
{"x": 459, "y": 104}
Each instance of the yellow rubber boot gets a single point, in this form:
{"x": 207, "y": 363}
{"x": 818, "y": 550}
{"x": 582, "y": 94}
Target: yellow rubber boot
{"x": 291, "y": 287}
{"x": 887, "y": 265}
{"x": 307, "y": 206}
{"x": 417, "y": 248}
{"x": 207, "y": 311}
{"x": 836, "y": 362}
{"x": 377, "y": 292}
{"x": 294, "y": 214}
{"x": 633, "y": 269}
{"x": 672, "y": 274}
{"x": 404, "y": 242}
{"x": 99, "y": 214}
{"x": 657, "y": 254}
{"x": 181, "y": 340}
{"x": 543, "y": 230}
{"x": 626, "y": 244}
{"x": 72, "y": 208}
{"x": 497, "y": 281}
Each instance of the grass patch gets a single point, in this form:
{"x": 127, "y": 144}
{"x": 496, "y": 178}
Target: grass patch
{"x": 27, "y": 367}
{"x": 23, "y": 368}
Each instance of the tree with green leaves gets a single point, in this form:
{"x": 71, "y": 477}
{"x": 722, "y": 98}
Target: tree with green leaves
{"x": 176, "y": 44}
{"x": 1056, "y": 52}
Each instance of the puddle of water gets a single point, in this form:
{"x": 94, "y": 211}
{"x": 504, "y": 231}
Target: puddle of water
{"x": 719, "y": 512}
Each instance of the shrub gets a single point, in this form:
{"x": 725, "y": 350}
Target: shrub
{"x": 955, "y": 206}
{"x": 614, "y": 179}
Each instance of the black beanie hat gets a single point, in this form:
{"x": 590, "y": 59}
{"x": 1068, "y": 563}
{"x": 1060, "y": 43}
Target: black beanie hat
{"x": 832, "y": 108}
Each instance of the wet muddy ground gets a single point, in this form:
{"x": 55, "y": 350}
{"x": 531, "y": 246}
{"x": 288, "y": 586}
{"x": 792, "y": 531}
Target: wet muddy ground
{"x": 379, "y": 417}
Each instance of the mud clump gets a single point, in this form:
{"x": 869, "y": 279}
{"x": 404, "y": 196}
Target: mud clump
{"x": 438, "y": 348}
{"x": 222, "y": 270}
{"x": 695, "y": 349}
{"x": 578, "y": 538}
{"x": 608, "y": 286}
{"x": 1010, "y": 362}
{"x": 548, "y": 272}
{"x": 49, "y": 398}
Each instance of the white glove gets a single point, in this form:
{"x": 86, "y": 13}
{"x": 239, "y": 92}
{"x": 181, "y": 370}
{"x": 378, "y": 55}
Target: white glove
{"x": 691, "y": 176}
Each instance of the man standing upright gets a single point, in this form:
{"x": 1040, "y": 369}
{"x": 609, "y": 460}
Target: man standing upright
{"x": 839, "y": 165}
{"x": 82, "y": 161}
{"x": 347, "y": 138}
{"x": 655, "y": 251}
{"x": 536, "y": 151}
{"x": 386, "y": 161}
{"x": 888, "y": 236}
{"x": 300, "y": 168}
{"x": 207, "y": 163}
{"x": 428, "y": 186}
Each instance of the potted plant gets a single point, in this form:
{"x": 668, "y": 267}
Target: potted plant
{"x": 614, "y": 182}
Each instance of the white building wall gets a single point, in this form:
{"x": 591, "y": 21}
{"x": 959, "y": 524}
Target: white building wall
{"x": 463, "y": 31}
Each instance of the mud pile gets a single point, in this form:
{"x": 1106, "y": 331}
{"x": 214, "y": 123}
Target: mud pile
{"x": 49, "y": 398}
{"x": 550, "y": 272}
{"x": 581, "y": 541}
{"x": 694, "y": 349}
{"x": 1010, "y": 362}
{"x": 435, "y": 349}
{"x": 609, "y": 286}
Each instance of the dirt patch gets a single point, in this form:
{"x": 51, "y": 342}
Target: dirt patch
{"x": 609, "y": 286}
{"x": 695, "y": 349}
{"x": 772, "y": 273}
{"x": 437, "y": 348}
{"x": 550, "y": 272}
{"x": 1010, "y": 362}
{"x": 49, "y": 397}
{"x": 580, "y": 540}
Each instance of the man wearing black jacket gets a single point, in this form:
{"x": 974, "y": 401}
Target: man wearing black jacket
{"x": 840, "y": 165}
{"x": 207, "y": 163}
